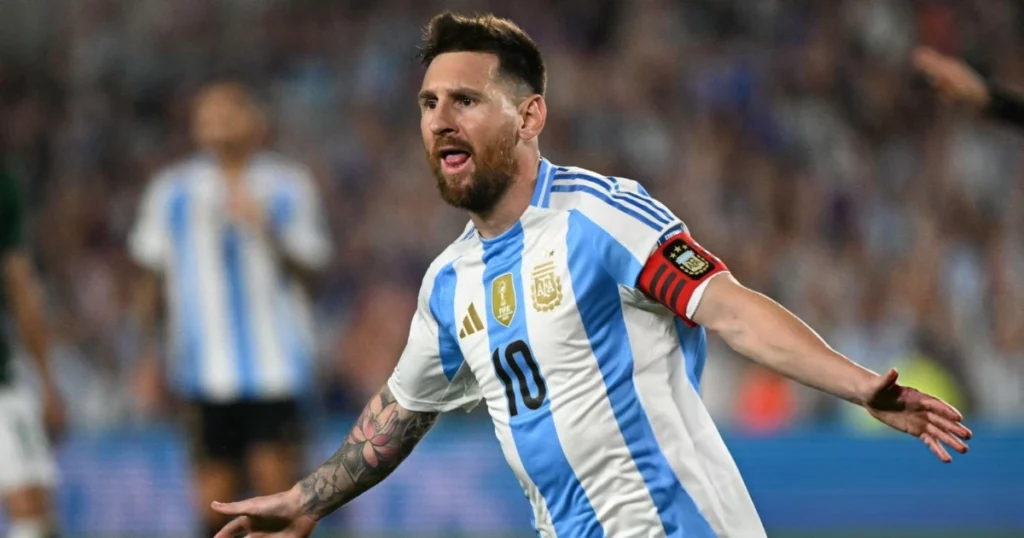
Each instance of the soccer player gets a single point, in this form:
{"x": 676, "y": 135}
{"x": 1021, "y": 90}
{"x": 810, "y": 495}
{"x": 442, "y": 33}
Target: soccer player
{"x": 27, "y": 469}
{"x": 958, "y": 83}
{"x": 574, "y": 305}
{"x": 233, "y": 232}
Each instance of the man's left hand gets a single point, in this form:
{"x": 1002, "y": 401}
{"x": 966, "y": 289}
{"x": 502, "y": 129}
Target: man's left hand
{"x": 922, "y": 415}
{"x": 244, "y": 208}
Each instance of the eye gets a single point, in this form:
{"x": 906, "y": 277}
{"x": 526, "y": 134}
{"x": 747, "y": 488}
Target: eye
{"x": 466, "y": 101}
{"x": 430, "y": 104}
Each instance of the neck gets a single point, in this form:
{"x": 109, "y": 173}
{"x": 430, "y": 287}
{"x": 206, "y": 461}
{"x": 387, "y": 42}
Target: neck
{"x": 511, "y": 207}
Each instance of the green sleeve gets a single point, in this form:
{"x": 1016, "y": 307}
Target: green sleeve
{"x": 12, "y": 212}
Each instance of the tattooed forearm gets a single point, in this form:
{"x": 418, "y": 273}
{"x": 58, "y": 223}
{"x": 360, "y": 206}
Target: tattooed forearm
{"x": 381, "y": 439}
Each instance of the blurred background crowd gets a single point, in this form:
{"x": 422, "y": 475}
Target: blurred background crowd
{"x": 790, "y": 136}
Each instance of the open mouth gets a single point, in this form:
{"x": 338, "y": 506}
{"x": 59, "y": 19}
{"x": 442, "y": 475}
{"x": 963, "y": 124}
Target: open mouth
{"x": 454, "y": 160}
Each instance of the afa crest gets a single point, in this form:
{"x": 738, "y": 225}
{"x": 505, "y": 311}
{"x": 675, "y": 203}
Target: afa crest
{"x": 546, "y": 288}
{"x": 688, "y": 260}
{"x": 503, "y": 299}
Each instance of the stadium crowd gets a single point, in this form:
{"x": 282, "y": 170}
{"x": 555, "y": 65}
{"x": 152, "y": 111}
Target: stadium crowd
{"x": 791, "y": 136}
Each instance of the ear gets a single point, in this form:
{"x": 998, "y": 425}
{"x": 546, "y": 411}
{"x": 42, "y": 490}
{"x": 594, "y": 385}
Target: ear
{"x": 533, "y": 113}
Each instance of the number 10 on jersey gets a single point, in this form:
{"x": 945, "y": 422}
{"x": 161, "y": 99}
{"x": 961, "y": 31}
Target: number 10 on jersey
{"x": 518, "y": 358}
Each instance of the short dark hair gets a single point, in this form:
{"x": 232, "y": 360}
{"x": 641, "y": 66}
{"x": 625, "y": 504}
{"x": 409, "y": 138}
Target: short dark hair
{"x": 519, "y": 57}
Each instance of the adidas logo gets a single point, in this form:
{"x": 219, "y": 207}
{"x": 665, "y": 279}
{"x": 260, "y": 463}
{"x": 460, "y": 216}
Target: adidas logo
{"x": 471, "y": 323}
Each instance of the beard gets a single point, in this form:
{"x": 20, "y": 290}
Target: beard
{"x": 493, "y": 171}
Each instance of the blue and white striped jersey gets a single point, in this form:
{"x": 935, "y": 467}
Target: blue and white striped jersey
{"x": 240, "y": 326}
{"x": 592, "y": 386}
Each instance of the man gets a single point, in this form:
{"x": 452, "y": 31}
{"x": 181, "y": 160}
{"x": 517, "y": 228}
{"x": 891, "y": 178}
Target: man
{"x": 573, "y": 306}
{"x": 233, "y": 232}
{"x": 958, "y": 83}
{"x": 27, "y": 470}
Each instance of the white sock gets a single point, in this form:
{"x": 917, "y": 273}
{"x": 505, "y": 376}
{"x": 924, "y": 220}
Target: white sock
{"x": 31, "y": 528}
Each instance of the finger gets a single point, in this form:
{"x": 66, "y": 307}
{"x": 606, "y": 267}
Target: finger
{"x": 942, "y": 408}
{"x": 235, "y": 528}
{"x": 945, "y": 437}
{"x": 240, "y": 508}
{"x": 933, "y": 445}
{"x": 925, "y": 59}
{"x": 950, "y": 426}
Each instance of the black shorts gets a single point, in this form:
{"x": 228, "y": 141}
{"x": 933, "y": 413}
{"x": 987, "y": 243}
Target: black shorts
{"x": 225, "y": 432}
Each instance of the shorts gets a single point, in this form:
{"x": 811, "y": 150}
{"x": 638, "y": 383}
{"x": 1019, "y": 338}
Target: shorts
{"x": 25, "y": 455}
{"x": 226, "y": 432}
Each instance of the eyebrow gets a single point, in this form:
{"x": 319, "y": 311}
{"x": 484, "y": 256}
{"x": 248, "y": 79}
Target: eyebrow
{"x": 454, "y": 92}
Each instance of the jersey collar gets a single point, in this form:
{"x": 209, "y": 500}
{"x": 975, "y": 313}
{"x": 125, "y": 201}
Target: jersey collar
{"x": 542, "y": 190}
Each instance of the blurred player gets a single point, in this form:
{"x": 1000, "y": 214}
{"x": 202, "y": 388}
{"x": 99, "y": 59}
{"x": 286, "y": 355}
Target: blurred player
{"x": 233, "y": 232}
{"x": 958, "y": 83}
{"x": 27, "y": 470}
{"x": 573, "y": 305}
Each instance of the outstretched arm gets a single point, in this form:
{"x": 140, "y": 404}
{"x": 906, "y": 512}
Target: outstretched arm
{"x": 382, "y": 438}
{"x": 696, "y": 286}
{"x": 957, "y": 82}
{"x": 764, "y": 331}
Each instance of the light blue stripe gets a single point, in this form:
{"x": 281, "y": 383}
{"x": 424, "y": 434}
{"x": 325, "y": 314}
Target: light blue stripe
{"x": 597, "y": 298}
{"x": 238, "y": 311}
{"x": 693, "y": 340}
{"x": 612, "y": 187}
{"x": 190, "y": 313}
{"x": 442, "y": 306}
{"x": 282, "y": 208}
{"x": 617, "y": 261}
{"x": 603, "y": 196}
{"x": 540, "y": 188}
{"x": 533, "y": 430}
{"x": 548, "y": 181}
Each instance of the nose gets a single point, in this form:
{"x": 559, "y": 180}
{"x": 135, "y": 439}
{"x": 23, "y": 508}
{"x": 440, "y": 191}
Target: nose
{"x": 442, "y": 121}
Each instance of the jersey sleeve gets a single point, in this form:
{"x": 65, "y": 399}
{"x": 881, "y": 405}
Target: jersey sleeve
{"x": 678, "y": 272}
{"x": 645, "y": 248}
{"x": 12, "y": 213}
{"x": 1006, "y": 105}
{"x": 149, "y": 238}
{"x": 432, "y": 376}
{"x": 618, "y": 220}
{"x": 298, "y": 217}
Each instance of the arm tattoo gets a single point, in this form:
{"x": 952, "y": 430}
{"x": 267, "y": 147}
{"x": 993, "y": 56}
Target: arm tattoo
{"x": 381, "y": 439}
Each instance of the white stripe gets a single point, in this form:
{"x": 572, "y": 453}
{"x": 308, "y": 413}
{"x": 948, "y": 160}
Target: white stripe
{"x": 580, "y": 407}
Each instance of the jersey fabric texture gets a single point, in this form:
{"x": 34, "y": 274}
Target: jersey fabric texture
{"x": 593, "y": 387}
{"x": 239, "y": 324}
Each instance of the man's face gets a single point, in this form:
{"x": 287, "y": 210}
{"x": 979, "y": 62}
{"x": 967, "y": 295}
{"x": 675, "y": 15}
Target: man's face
{"x": 469, "y": 124}
{"x": 223, "y": 118}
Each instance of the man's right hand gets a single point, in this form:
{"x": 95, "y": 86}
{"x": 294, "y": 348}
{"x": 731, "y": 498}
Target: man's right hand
{"x": 952, "y": 78}
{"x": 274, "y": 516}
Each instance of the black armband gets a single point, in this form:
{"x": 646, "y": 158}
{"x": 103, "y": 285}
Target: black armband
{"x": 1006, "y": 105}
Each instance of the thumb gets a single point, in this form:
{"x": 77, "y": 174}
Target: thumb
{"x": 887, "y": 380}
{"x": 240, "y": 508}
